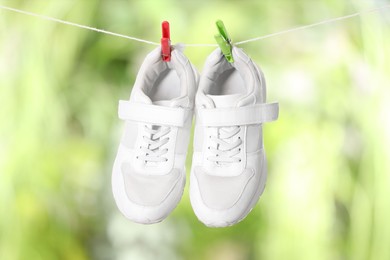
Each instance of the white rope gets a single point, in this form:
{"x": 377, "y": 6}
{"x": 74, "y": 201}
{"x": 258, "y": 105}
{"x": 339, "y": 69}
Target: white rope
{"x": 201, "y": 45}
{"x": 77, "y": 25}
{"x": 197, "y": 44}
{"x": 314, "y": 24}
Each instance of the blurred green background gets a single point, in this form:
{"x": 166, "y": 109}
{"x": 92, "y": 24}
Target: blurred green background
{"x": 328, "y": 191}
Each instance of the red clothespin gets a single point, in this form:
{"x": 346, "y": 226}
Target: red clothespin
{"x": 165, "y": 42}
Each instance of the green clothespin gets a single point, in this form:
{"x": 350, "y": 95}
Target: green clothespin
{"x": 224, "y": 41}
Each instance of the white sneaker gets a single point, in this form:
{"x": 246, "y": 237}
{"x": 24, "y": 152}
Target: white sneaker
{"x": 229, "y": 169}
{"x": 148, "y": 176}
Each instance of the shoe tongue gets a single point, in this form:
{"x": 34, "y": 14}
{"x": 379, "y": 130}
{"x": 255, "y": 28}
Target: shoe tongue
{"x": 223, "y": 101}
{"x": 177, "y": 102}
{"x": 164, "y": 103}
{"x": 140, "y": 97}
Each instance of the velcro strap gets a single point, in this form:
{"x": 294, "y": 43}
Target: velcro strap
{"x": 153, "y": 114}
{"x": 249, "y": 115}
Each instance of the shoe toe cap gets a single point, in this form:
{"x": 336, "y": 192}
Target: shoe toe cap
{"x": 224, "y": 201}
{"x": 221, "y": 193}
{"x": 146, "y": 199}
{"x": 148, "y": 190}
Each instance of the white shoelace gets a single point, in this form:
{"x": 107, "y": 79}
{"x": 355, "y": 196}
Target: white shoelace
{"x": 225, "y": 151}
{"x": 152, "y": 150}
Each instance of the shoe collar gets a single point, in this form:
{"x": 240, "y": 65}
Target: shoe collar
{"x": 216, "y": 64}
{"x": 153, "y": 66}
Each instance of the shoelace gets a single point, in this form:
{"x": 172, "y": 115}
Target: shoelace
{"x": 152, "y": 151}
{"x": 225, "y": 151}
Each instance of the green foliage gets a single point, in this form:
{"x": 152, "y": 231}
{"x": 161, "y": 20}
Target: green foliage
{"x": 329, "y": 173}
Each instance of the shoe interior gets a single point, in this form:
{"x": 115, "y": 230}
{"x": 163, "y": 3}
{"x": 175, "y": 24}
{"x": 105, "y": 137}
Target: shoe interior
{"x": 228, "y": 82}
{"x": 166, "y": 86}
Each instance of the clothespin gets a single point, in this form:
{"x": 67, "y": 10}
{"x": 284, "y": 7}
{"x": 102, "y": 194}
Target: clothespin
{"x": 224, "y": 41}
{"x": 165, "y": 42}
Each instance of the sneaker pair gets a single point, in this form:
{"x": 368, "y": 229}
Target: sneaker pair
{"x": 229, "y": 169}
